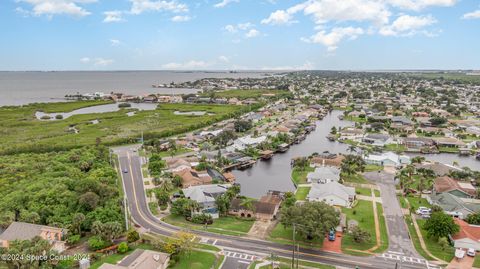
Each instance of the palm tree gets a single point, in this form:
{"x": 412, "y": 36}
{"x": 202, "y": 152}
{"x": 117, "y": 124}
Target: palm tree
{"x": 352, "y": 149}
{"x": 406, "y": 177}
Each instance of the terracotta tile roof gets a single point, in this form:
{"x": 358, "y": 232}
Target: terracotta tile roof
{"x": 446, "y": 184}
{"x": 467, "y": 231}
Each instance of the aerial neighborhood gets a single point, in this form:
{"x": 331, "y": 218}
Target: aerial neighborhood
{"x": 369, "y": 168}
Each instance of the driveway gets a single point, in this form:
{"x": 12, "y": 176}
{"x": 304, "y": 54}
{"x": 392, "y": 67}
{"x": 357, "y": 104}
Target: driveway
{"x": 398, "y": 236}
{"x": 333, "y": 246}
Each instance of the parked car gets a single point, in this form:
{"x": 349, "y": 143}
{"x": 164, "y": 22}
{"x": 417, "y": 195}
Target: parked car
{"x": 331, "y": 235}
{"x": 423, "y": 211}
{"x": 125, "y": 170}
{"x": 471, "y": 252}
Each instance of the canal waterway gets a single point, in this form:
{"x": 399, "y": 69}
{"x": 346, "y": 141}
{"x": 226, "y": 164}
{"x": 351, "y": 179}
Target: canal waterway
{"x": 275, "y": 174}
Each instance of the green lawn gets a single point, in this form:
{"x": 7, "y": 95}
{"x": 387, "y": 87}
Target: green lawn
{"x": 476, "y": 262}
{"x": 363, "y": 214}
{"x": 432, "y": 245}
{"x": 383, "y": 230}
{"x": 377, "y": 193}
{"x": 356, "y": 178}
{"x": 448, "y": 150}
{"x": 416, "y": 202}
{"x": 300, "y": 176}
{"x": 195, "y": 260}
{"x": 284, "y": 235}
{"x": 373, "y": 168}
{"x": 403, "y": 203}
{"x": 174, "y": 153}
{"x": 415, "y": 239}
{"x": 302, "y": 192}
{"x": 22, "y": 132}
{"x": 355, "y": 119}
{"x": 395, "y": 148}
{"x": 363, "y": 191}
{"x": 224, "y": 225}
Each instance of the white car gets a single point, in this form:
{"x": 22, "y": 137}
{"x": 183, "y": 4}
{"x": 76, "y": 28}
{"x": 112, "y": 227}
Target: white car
{"x": 471, "y": 252}
{"x": 424, "y": 211}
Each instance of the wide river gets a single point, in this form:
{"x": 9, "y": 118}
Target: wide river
{"x": 19, "y": 88}
{"x": 275, "y": 173}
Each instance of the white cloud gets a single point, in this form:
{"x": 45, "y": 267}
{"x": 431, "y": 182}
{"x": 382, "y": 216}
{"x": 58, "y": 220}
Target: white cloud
{"x": 252, "y": 33}
{"x": 57, "y": 7}
{"x": 407, "y": 25}
{"x": 140, "y": 6}
{"x": 223, "y": 58}
{"x": 335, "y": 36}
{"x": 97, "y": 61}
{"x": 180, "y": 18}
{"x": 224, "y": 3}
{"x": 417, "y": 5}
{"x": 85, "y": 60}
{"x": 113, "y": 16}
{"x": 279, "y": 17}
{"x": 186, "y": 65}
{"x": 115, "y": 42}
{"x": 472, "y": 15}
{"x": 245, "y": 26}
{"x": 230, "y": 28}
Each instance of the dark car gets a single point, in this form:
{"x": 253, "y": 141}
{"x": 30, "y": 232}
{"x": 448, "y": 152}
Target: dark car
{"x": 331, "y": 235}
{"x": 125, "y": 170}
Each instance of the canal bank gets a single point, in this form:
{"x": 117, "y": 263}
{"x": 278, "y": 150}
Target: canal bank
{"x": 275, "y": 174}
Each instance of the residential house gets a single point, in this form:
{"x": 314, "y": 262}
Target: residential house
{"x": 454, "y": 187}
{"x": 265, "y": 209}
{"x": 450, "y": 142}
{"x": 351, "y": 134}
{"x": 327, "y": 159}
{"x": 205, "y": 196}
{"x": 467, "y": 237}
{"x": 453, "y": 205}
{"x": 332, "y": 193}
{"x": 177, "y": 164}
{"x": 248, "y": 141}
{"x": 387, "y": 159}
{"x": 379, "y": 140}
{"x": 439, "y": 169}
{"x": 324, "y": 174}
{"x": 141, "y": 259}
{"x": 418, "y": 142}
{"x": 27, "y": 231}
{"x": 192, "y": 177}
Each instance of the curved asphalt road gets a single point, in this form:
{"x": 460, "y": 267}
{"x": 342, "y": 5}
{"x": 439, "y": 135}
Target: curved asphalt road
{"x": 141, "y": 215}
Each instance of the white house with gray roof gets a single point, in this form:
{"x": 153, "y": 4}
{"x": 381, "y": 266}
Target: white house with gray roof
{"x": 332, "y": 193}
{"x": 324, "y": 174}
{"x": 205, "y": 196}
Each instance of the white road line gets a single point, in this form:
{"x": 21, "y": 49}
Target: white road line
{"x": 214, "y": 242}
{"x": 395, "y": 252}
{"x": 244, "y": 262}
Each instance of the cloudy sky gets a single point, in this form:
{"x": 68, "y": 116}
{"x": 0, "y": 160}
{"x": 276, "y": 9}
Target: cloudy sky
{"x": 239, "y": 34}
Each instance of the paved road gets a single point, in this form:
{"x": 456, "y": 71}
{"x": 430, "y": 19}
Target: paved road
{"x": 141, "y": 215}
{"x": 237, "y": 260}
{"x": 399, "y": 238}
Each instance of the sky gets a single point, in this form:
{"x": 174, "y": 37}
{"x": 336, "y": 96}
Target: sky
{"x": 239, "y": 34}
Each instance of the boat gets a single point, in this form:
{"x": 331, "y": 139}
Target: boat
{"x": 478, "y": 156}
{"x": 283, "y": 147}
{"x": 266, "y": 155}
{"x": 464, "y": 152}
{"x": 331, "y": 137}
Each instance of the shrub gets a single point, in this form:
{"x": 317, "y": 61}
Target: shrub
{"x": 132, "y": 236}
{"x": 122, "y": 247}
{"x": 96, "y": 243}
{"x": 72, "y": 240}
{"x": 202, "y": 219}
{"x": 124, "y": 105}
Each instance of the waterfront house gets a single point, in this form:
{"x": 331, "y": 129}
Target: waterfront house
{"x": 205, "y": 196}
{"x": 387, "y": 159}
{"x": 332, "y": 193}
{"x": 439, "y": 169}
{"x": 351, "y": 134}
{"x": 449, "y": 142}
{"x": 141, "y": 259}
{"x": 27, "y": 231}
{"x": 248, "y": 141}
{"x": 324, "y": 174}
{"x": 191, "y": 177}
{"x": 327, "y": 159}
{"x": 454, "y": 187}
{"x": 418, "y": 143}
{"x": 379, "y": 140}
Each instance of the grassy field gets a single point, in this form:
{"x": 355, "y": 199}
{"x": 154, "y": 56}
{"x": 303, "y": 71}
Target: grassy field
{"x": 195, "y": 260}
{"x": 300, "y": 176}
{"x": 302, "y": 192}
{"x": 247, "y": 94}
{"x": 416, "y": 202}
{"x": 284, "y": 235}
{"x": 363, "y": 191}
{"x": 461, "y": 77}
{"x": 223, "y": 225}
{"x": 356, "y": 178}
{"x": 373, "y": 168}
{"x": 395, "y": 148}
{"x": 363, "y": 214}
{"x": 476, "y": 262}
{"x": 22, "y": 132}
{"x": 383, "y": 230}
{"x": 433, "y": 246}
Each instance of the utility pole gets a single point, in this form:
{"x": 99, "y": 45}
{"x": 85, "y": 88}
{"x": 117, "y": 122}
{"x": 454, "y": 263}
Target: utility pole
{"x": 298, "y": 251}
